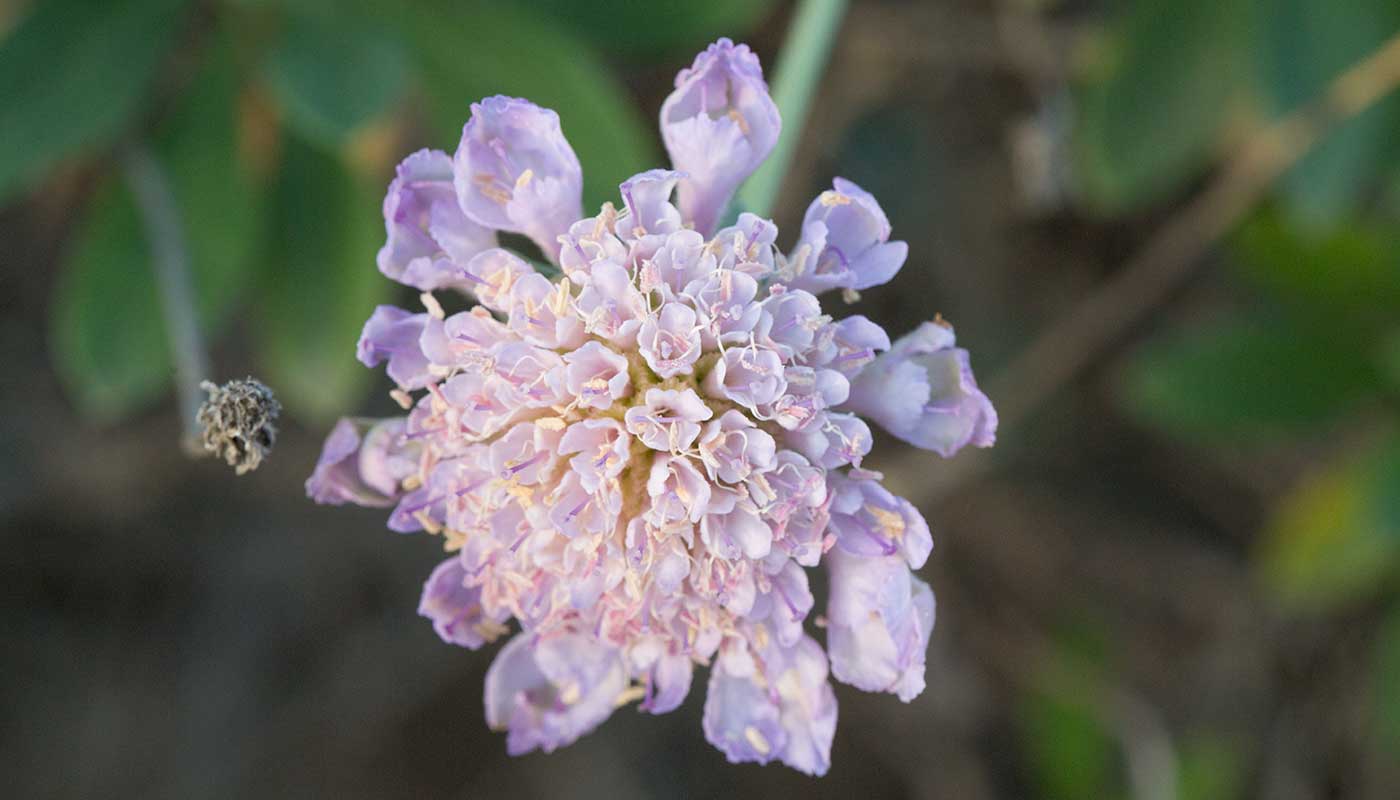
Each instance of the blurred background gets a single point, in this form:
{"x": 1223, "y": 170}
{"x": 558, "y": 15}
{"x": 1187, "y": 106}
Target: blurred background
{"x": 1176, "y": 575}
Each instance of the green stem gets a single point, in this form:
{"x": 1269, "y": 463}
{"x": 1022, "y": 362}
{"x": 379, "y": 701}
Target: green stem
{"x": 801, "y": 63}
{"x": 170, "y": 261}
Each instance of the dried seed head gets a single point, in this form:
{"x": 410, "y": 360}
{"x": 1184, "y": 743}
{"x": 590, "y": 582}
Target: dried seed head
{"x": 240, "y": 422}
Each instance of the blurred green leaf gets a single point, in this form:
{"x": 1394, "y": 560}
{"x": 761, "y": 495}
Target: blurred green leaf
{"x": 634, "y": 28}
{"x": 332, "y": 75}
{"x": 1246, "y": 377}
{"x": 473, "y": 50}
{"x": 1385, "y": 490}
{"x": 1150, "y": 120}
{"x": 1349, "y": 274}
{"x": 1386, "y": 683}
{"x": 322, "y": 283}
{"x": 1071, "y": 755}
{"x": 1336, "y": 537}
{"x": 109, "y": 335}
{"x": 1209, "y": 768}
{"x": 1388, "y": 356}
{"x": 222, "y": 204}
{"x": 72, "y": 75}
{"x": 1303, "y": 45}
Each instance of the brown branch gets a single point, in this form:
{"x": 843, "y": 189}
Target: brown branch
{"x": 1077, "y": 339}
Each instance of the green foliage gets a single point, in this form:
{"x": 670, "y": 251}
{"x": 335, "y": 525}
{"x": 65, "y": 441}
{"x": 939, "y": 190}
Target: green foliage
{"x": 472, "y": 50}
{"x": 1209, "y": 768}
{"x": 1303, "y": 45}
{"x": 1335, "y": 539}
{"x": 1070, "y": 753}
{"x": 1071, "y": 756}
{"x": 633, "y": 28}
{"x": 1388, "y": 356}
{"x": 108, "y": 337}
{"x": 72, "y": 75}
{"x": 1165, "y": 83}
{"x": 1245, "y": 378}
{"x": 322, "y": 284}
{"x": 222, "y": 203}
{"x": 1347, "y": 275}
{"x": 333, "y": 68}
{"x": 334, "y": 73}
{"x": 1386, "y": 685}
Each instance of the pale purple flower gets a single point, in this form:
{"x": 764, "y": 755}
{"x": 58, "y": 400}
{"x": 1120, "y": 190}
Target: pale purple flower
{"x": 806, "y": 394}
{"x": 667, "y": 677}
{"x": 670, "y": 340}
{"x": 525, "y": 454}
{"x": 792, "y": 319}
{"x": 677, "y": 489}
{"x": 491, "y": 276}
{"x": 845, "y": 243}
{"x": 575, "y": 511}
{"x": 848, "y": 345}
{"x": 792, "y": 483}
{"x": 603, "y": 447}
{"x": 923, "y": 391}
{"x": 719, "y": 124}
{"x": 548, "y": 693}
{"x": 747, "y": 246}
{"x": 646, "y": 206}
{"x": 785, "y": 712}
{"x": 391, "y": 334}
{"x": 879, "y": 618}
{"x": 679, "y": 259}
{"x": 474, "y": 407}
{"x": 737, "y": 532}
{"x": 590, "y": 241}
{"x": 540, "y": 314}
{"x": 429, "y": 237}
{"x": 515, "y": 171}
{"x": 462, "y": 339}
{"x": 669, "y": 419}
{"x": 750, "y": 376}
{"x": 363, "y": 462}
{"x": 869, "y": 521}
{"x": 638, "y": 462}
{"x": 525, "y": 374}
{"x": 838, "y": 440}
{"x": 802, "y": 533}
{"x": 455, "y": 608}
{"x": 596, "y": 375}
{"x": 724, "y": 305}
{"x": 733, "y": 448}
{"x": 610, "y": 304}
{"x": 789, "y": 600}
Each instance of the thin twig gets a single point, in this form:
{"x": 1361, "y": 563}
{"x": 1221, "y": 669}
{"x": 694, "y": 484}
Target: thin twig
{"x": 170, "y": 260}
{"x": 1077, "y": 339}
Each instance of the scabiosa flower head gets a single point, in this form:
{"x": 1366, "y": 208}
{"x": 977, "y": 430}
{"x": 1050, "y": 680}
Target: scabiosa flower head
{"x": 638, "y": 462}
